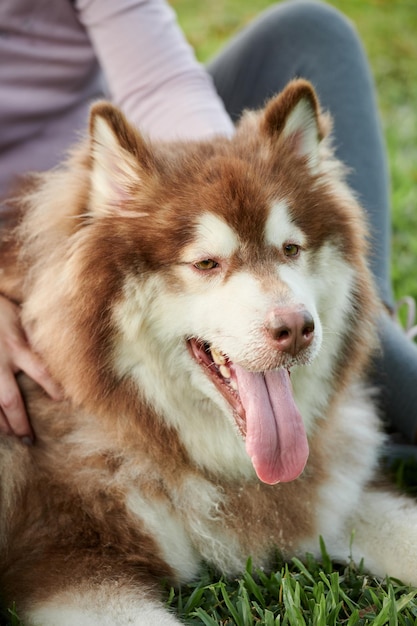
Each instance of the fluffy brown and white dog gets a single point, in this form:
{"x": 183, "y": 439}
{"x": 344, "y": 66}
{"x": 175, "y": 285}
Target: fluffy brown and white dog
{"x": 208, "y": 311}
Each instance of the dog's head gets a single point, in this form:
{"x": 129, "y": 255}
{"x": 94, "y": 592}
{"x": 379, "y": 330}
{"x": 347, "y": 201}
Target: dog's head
{"x": 210, "y": 272}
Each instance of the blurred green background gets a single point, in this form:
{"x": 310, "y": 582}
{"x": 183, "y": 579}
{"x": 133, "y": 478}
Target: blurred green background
{"x": 388, "y": 29}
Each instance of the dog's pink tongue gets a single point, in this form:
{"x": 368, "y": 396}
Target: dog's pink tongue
{"x": 276, "y": 440}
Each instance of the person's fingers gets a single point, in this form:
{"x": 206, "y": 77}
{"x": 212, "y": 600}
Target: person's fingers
{"x": 12, "y": 407}
{"x": 21, "y": 358}
{"x": 5, "y": 428}
{"x": 16, "y": 356}
{"x": 31, "y": 364}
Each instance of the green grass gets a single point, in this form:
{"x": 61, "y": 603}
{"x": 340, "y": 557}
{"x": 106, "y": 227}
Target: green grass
{"x": 297, "y": 594}
{"x": 320, "y": 593}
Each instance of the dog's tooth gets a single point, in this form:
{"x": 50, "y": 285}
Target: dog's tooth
{"x": 233, "y": 384}
{"x": 225, "y": 371}
{"x": 218, "y": 357}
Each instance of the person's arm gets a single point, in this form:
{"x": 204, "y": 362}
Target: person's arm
{"x": 151, "y": 70}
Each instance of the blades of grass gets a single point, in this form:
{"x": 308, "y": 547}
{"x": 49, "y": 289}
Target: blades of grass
{"x": 349, "y": 598}
{"x": 383, "y": 616}
{"x": 271, "y": 584}
{"x": 348, "y": 601}
{"x": 388, "y": 608}
{"x": 245, "y": 606}
{"x": 335, "y": 587}
{"x": 376, "y": 599}
{"x": 303, "y": 569}
{"x": 351, "y": 542}
{"x": 231, "y": 607}
{"x": 333, "y": 583}
{"x": 393, "y": 614}
{"x": 194, "y": 599}
{"x": 211, "y": 600}
{"x": 405, "y": 600}
{"x": 205, "y": 617}
{"x": 253, "y": 588}
{"x": 291, "y": 599}
{"x": 320, "y": 612}
{"x": 326, "y": 560}
{"x": 333, "y": 616}
{"x": 175, "y": 596}
{"x": 270, "y": 620}
{"x": 258, "y": 610}
{"x": 14, "y": 618}
{"x": 318, "y": 590}
{"x": 325, "y": 613}
{"x": 354, "y": 618}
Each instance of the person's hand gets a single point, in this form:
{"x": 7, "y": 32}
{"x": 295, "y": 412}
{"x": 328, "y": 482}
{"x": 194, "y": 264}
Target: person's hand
{"x": 16, "y": 356}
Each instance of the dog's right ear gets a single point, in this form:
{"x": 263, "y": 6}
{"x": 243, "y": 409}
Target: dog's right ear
{"x": 119, "y": 160}
{"x": 294, "y": 117}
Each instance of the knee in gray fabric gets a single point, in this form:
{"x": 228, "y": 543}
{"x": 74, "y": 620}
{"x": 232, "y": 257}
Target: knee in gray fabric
{"x": 296, "y": 38}
{"x": 306, "y": 22}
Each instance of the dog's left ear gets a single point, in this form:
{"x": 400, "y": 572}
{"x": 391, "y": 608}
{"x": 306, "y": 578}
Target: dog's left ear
{"x": 294, "y": 115}
{"x": 119, "y": 161}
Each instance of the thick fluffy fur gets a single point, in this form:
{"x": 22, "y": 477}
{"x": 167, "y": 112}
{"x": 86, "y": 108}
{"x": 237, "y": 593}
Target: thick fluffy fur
{"x": 140, "y": 264}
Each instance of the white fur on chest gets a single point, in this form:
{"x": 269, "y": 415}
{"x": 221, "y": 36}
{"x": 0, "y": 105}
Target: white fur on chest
{"x": 188, "y": 527}
{"x": 355, "y": 444}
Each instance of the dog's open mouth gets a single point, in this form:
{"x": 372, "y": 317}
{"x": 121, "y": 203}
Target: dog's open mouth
{"x": 264, "y": 410}
{"x": 221, "y": 371}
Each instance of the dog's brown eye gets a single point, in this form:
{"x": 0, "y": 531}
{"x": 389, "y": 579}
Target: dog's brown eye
{"x": 207, "y": 264}
{"x": 291, "y": 249}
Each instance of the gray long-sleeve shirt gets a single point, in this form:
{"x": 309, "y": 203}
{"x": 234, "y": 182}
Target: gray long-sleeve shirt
{"x": 57, "y": 56}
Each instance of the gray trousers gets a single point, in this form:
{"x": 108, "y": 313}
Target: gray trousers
{"x": 302, "y": 38}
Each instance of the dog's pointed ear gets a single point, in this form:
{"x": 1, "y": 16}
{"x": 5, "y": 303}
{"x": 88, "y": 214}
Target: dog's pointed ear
{"x": 294, "y": 115}
{"x": 119, "y": 160}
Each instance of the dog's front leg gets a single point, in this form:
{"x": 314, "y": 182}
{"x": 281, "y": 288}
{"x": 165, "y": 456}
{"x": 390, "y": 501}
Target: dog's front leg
{"x": 383, "y": 531}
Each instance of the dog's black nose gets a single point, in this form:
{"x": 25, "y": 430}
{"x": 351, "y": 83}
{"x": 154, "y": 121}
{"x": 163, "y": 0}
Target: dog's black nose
{"x": 292, "y": 330}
